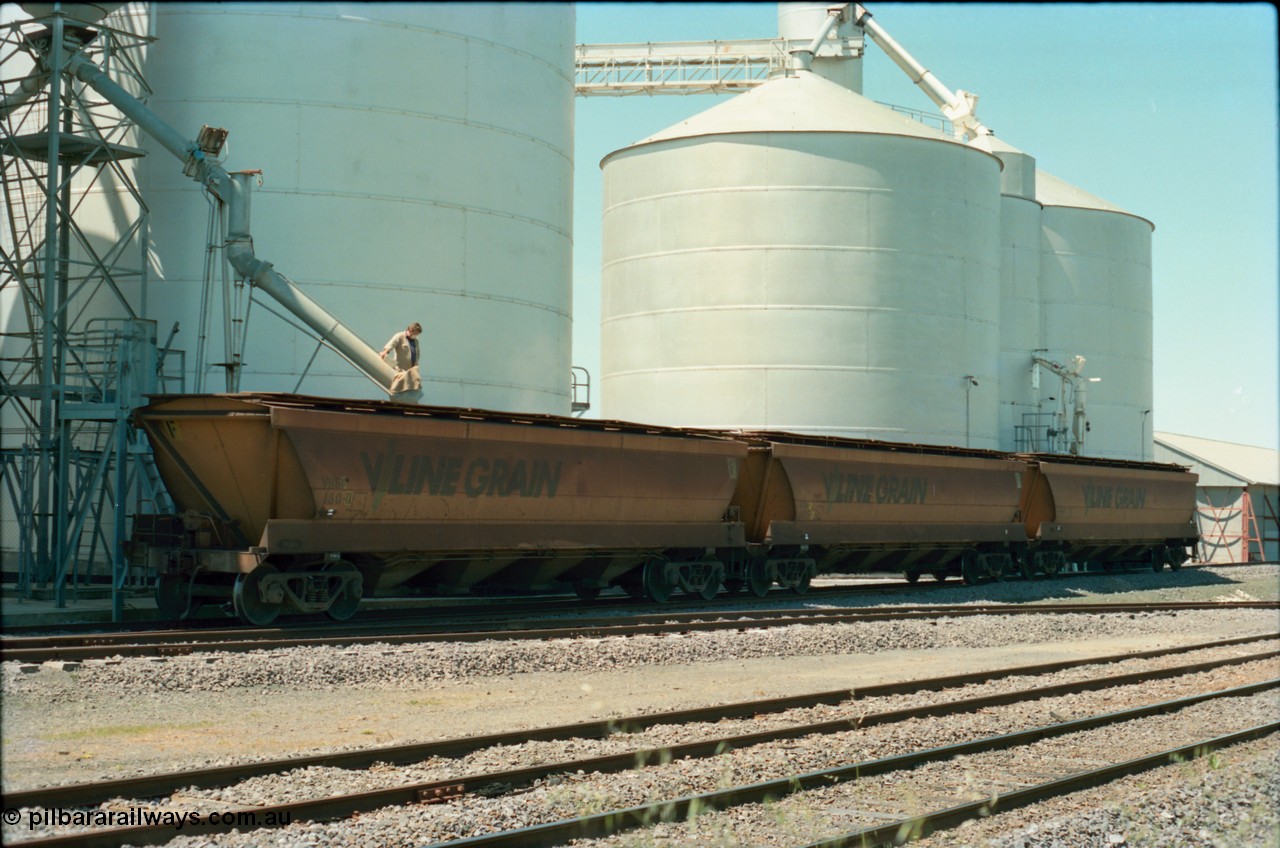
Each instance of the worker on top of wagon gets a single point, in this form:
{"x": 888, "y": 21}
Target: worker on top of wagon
{"x": 405, "y": 346}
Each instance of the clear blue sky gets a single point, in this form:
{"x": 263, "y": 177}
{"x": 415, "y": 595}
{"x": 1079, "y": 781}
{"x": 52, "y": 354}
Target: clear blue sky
{"x": 1168, "y": 111}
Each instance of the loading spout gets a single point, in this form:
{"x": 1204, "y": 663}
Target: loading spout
{"x": 1071, "y": 376}
{"x": 958, "y": 107}
{"x": 234, "y": 192}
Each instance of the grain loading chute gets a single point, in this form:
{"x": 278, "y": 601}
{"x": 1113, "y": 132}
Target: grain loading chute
{"x": 233, "y": 191}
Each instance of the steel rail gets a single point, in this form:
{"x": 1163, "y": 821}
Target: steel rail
{"x": 680, "y": 809}
{"x": 435, "y": 609}
{"x": 165, "y": 783}
{"x": 921, "y": 826}
{"x": 167, "y": 644}
{"x": 453, "y": 788}
{"x": 521, "y": 604}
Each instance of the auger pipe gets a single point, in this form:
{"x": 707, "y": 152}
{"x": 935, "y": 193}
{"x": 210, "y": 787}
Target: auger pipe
{"x": 802, "y": 58}
{"x": 234, "y": 192}
{"x": 28, "y": 88}
{"x": 957, "y": 107}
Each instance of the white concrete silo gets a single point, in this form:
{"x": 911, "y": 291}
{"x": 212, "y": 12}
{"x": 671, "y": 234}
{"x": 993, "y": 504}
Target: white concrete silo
{"x": 800, "y": 258}
{"x": 417, "y": 166}
{"x": 1096, "y": 299}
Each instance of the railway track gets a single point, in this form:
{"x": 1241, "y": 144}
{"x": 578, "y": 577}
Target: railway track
{"x": 858, "y": 712}
{"x": 452, "y": 609}
{"x": 418, "y": 609}
{"x": 186, "y": 641}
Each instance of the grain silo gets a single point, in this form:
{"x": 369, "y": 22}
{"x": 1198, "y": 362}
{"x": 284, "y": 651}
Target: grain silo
{"x": 1095, "y": 277}
{"x": 801, "y": 258}
{"x": 416, "y": 167}
{"x": 1020, "y": 242}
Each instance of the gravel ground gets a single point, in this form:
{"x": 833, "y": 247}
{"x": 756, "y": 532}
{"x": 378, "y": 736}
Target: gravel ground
{"x": 188, "y": 712}
{"x": 438, "y": 664}
{"x": 1228, "y": 800}
{"x": 825, "y": 812}
{"x": 1236, "y": 810}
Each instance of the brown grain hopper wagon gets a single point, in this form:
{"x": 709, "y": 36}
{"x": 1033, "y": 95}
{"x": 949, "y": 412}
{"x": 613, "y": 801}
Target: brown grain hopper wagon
{"x": 292, "y": 503}
{"x": 1108, "y": 512}
{"x": 823, "y": 505}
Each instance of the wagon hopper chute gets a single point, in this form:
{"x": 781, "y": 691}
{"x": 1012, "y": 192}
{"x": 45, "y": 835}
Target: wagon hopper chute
{"x": 303, "y": 504}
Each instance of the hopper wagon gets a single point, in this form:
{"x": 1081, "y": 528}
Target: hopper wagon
{"x": 1107, "y": 513}
{"x": 286, "y": 503}
{"x": 817, "y": 505}
{"x": 297, "y": 504}
{"x": 850, "y": 505}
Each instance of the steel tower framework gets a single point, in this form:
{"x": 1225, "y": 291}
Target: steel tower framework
{"x": 77, "y": 353}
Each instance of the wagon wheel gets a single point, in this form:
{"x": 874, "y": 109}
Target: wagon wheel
{"x": 1158, "y": 559}
{"x": 657, "y": 587}
{"x": 969, "y": 568}
{"x": 1050, "y": 563}
{"x": 758, "y": 578}
{"x": 1026, "y": 566}
{"x": 941, "y": 575}
{"x": 711, "y": 584}
{"x": 801, "y": 586}
{"x": 174, "y": 598}
{"x": 734, "y": 585}
{"x": 913, "y": 576}
{"x": 345, "y": 604}
{"x": 249, "y": 605}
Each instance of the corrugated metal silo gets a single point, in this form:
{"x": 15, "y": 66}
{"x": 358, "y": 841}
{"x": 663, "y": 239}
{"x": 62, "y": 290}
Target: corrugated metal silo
{"x": 1096, "y": 292}
{"x": 1019, "y": 287}
{"x": 801, "y": 258}
{"x": 418, "y": 166}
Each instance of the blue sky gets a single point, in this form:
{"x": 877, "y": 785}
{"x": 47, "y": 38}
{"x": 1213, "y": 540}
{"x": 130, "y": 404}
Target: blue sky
{"x": 1168, "y": 111}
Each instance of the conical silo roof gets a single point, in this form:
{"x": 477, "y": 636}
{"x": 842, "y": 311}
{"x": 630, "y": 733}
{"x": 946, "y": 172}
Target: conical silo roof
{"x": 1052, "y": 191}
{"x": 800, "y": 102}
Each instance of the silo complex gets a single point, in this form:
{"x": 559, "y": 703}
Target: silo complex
{"x": 417, "y": 166}
{"x": 800, "y": 258}
{"x": 1095, "y": 278}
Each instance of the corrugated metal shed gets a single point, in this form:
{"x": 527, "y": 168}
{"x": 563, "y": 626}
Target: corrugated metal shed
{"x": 1220, "y": 463}
{"x": 1238, "y": 496}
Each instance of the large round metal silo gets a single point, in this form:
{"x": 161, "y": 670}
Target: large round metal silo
{"x": 1020, "y": 409}
{"x": 800, "y": 258}
{"x": 1096, "y": 300}
{"x": 416, "y": 166}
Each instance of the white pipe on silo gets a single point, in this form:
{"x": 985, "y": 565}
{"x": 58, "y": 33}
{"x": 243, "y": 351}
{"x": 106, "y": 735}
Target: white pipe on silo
{"x": 959, "y": 107}
{"x": 803, "y": 59}
{"x": 29, "y": 87}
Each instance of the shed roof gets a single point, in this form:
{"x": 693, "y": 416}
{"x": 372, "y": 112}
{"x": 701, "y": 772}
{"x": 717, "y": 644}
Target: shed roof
{"x": 1247, "y": 463}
